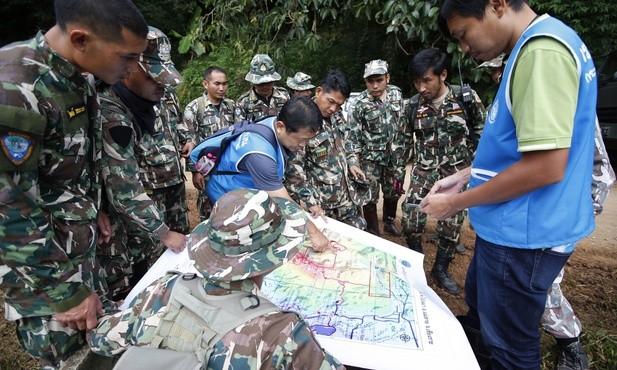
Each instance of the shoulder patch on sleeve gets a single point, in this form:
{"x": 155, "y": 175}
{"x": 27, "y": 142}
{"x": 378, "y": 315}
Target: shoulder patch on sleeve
{"x": 121, "y": 135}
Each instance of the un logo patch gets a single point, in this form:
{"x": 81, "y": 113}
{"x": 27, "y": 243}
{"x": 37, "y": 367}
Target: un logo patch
{"x": 16, "y": 147}
{"x": 492, "y": 115}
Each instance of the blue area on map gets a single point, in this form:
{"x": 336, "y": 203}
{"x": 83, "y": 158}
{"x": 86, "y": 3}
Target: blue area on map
{"x": 323, "y": 329}
{"x": 405, "y": 263}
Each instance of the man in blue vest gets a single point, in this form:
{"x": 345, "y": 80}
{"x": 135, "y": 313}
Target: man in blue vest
{"x": 533, "y": 162}
{"x": 250, "y": 161}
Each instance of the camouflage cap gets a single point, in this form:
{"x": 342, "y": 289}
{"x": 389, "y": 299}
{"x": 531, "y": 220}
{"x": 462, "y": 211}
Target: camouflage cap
{"x": 300, "y": 82}
{"x": 248, "y": 234}
{"x": 375, "y": 67}
{"x": 156, "y": 59}
{"x": 262, "y": 70}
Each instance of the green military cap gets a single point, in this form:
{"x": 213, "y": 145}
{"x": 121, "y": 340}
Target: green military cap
{"x": 300, "y": 82}
{"x": 375, "y": 67}
{"x": 156, "y": 59}
{"x": 248, "y": 234}
{"x": 262, "y": 70}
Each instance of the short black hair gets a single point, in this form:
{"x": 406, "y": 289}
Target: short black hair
{"x": 106, "y": 18}
{"x": 211, "y": 69}
{"x": 426, "y": 59}
{"x": 335, "y": 80}
{"x": 300, "y": 112}
{"x": 467, "y": 9}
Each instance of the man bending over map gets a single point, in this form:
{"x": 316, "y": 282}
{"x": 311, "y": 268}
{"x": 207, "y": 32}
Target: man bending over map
{"x": 247, "y": 235}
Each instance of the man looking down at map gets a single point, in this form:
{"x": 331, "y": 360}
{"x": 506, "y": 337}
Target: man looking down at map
{"x": 247, "y": 235}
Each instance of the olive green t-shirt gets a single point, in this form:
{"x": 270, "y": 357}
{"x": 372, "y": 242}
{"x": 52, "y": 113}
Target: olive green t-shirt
{"x": 544, "y": 92}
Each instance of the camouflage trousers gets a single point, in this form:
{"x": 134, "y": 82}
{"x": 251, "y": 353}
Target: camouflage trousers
{"x": 347, "y": 212}
{"x": 172, "y": 203}
{"x": 378, "y": 174}
{"x": 44, "y": 338}
{"x": 204, "y": 206}
{"x": 559, "y": 319}
{"x": 414, "y": 221}
{"x": 117, "y": 258}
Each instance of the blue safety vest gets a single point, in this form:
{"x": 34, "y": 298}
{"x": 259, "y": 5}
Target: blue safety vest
{"x": 553, "y": 215}
{"x": 243, "y": 145}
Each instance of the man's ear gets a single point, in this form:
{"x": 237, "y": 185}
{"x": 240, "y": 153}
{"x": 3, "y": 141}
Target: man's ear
{"x": 204, "y": 83}
{"x": 444, "y": 75}
{"x": 498, "y": 6}
{"x": 79, "y": 38}
{"x": 280, "y": 127}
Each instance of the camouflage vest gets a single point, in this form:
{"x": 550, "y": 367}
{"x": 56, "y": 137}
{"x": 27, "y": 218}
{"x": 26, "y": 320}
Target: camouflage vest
{"x": 191, "y": 325}
{"x": 467, "y": 108}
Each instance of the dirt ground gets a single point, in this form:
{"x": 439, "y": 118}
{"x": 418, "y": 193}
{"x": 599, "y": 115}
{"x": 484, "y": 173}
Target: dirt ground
{"x": 590, "y": 281}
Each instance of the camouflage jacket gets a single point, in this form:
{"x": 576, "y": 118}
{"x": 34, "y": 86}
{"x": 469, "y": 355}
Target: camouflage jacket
{"x": 127, "y": 201}
{"x": 250, "y": 107}
{"x": 205, "y": 118}
{"x": 374, "y": 123}
{"x": 318, "y": 174}
{"x": 158, "y": 154}
{"x": 439, "y": 136}
{"x": 48, "y": 180}
{"x": 278, "y": 340}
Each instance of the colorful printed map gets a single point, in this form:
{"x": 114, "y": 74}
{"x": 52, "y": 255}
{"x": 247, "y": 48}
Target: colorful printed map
{"x": 353, "y": 292}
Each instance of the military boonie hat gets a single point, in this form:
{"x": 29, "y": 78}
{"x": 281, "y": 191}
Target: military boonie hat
{"x": 262, "y": 70}
{"x": 248, "y": 234}
{"x": 375, "y": 67}
{"x": 156, "y": 59}
{"x": 300, "y": 82}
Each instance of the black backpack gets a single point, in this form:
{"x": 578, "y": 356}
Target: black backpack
{"x": 207, "y": 155}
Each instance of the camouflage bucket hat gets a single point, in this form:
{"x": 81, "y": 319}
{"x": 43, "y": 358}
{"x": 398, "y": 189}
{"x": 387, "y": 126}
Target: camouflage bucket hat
{"x": 248, "y": 234}
{"x": 359, "y": 191}
{"x": 262, "y": 70}
{"x": 375, "y": 67}
{"x": 300, "y": 82}
{"x": 156, "y": 59}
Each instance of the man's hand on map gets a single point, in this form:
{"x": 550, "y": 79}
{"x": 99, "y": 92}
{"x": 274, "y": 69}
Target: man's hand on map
{"x": 319, "y": 241}
{"x": 174, "y": 241}
{"x": 317, "y": 211}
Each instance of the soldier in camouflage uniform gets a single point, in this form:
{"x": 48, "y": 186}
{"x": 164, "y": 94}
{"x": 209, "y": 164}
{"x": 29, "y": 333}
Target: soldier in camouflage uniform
{"x": 128, "y": 205}
{"x": 300, "y": 84}
{"x": 159, "y": 152}
{"x": 233, "y": 258}
{"x": 375, "y": 119}
{"x": 263, "y": 99}
{"x": 49, "y": 178}
{"x": 444, "y": 134}
{"x": 207, "y": 114}
{"x": 319, "y": 174}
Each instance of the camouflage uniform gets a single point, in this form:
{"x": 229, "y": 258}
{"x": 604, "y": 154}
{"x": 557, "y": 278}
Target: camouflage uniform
{"x": 127, "y": 203}
{"x": 205, "y": 118}
{"x": 249, "y": 105}
{"x": 441, "y": 146}
{"x": 160, "y": 163}
{"x": 318, "y": 174}
{"x": 50, "y": 191}
{"x": 142, "y": 172}
{"x": 375, "y": 124}
{"x": 265, "y": 234}
{"x": 559, "y": 318}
